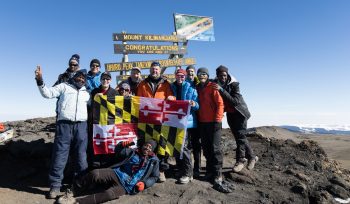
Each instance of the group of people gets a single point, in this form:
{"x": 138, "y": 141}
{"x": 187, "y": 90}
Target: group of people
{"x": 132, "y": 170}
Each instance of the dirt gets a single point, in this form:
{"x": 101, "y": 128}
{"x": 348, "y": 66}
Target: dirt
{"x": 289, "y": 170}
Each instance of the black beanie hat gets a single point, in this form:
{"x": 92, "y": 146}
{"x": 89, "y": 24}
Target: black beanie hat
{"x": 82, "y": 72}
{"x": 203, "y": 69}
{"x": 75, "y": 57}
{"x": 96, "y": 61}
{"x": 221, "y": 68}
{"x": 191, "y": 67}
{"x": 152, "y": 143}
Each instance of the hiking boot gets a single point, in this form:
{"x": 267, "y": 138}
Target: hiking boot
{"x": 251, "y": 162}
{"x": 53, "y": 193}
{"x": 238, "y": 166}
{"x": 196, "y": 174}
{"x": 218, "y": 180}
{"x": 185, "y": 179}
{"x": 161, "y": 177}
{"x": 67, "y": 198}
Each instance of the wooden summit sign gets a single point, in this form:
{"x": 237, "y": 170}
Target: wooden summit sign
{"x": 147, "y": 37}
{"x": 111, "y": 67}
{"x": 148, "y": 49}
{"x": 169, "y": 77}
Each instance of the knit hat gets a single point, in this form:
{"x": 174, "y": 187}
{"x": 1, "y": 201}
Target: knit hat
{"x": 152, "y": 143}
{"x": 81, "y": 72}
{"x": 74, "y": 57}
{"x": 202, "y": 70}
{"x": 190, "y": 67}
{"x": 124, "y": 86}
{"x": 180, "y": 71}
{"x": 106, "y": 74}
{"x": 95, "y": 61}
{"x": 155, "y": 64}
{"x": 136, "y": 68}
{"x": 221, "y": 68}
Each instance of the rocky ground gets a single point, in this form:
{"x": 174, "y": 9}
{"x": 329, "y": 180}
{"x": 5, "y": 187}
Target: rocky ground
{"x": 290, "y": 170}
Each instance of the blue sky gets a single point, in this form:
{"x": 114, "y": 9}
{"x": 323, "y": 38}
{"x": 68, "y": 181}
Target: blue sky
{"x": 291, "y": 57}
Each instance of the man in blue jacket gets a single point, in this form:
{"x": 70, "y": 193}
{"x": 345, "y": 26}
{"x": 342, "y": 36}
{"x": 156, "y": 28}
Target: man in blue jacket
{"x": 136, "y": 170}
{"x": 71, "y": 126}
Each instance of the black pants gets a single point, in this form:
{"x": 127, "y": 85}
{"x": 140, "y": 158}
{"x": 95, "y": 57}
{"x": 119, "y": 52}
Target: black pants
{"x": 104, "y": 178}
{"x": 211, "y": 136}
{"x": 185, "y": 164}
{"x": 195, "y": 145}
{"x": 238, "y": 126}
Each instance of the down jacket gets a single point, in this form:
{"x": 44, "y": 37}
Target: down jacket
{"x": 72, "y": 103}
{"x": 162, "y": 91}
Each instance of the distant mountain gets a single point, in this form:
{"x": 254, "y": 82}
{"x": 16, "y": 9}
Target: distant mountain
{"x": 318, "y": 129}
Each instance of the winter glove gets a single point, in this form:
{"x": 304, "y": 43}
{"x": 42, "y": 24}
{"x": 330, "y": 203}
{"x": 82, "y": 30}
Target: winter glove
{"x": 127, "y": 143}
{"x": 140, "y": 186}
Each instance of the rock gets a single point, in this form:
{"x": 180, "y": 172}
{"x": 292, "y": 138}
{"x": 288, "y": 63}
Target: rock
{"x": 300, "y": 188}
{"x": 338, "y": 191}
{"x": 340, "y": 182}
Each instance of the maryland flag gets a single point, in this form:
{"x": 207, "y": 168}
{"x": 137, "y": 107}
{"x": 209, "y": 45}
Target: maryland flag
{"x": 139, "y": 119}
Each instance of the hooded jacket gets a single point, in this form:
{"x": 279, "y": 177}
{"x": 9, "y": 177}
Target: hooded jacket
{"x": 188, "y": 93}
{"x": 232, "y": 97}
{"x": 162, "y": 89}
{"x": 72, "y": 103}
{"x": 211, "y": 102}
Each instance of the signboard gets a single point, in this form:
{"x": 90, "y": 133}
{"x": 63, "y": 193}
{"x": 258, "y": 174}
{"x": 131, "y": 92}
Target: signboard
{"x": 194, "y": 27}
{"x": 148, "y": 49}
{"x": 112, "y": 67}
{"x": 169, "y": 77}
{"x": 147, "y": 37}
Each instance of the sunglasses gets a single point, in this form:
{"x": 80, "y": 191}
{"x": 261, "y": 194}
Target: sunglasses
{"x": 180, "y": 76}
{"x": 106, "y": 79}
{"x": 121, "y": 89}
{"x": 73, "y": 65}
{"x": 95, "y": 65}
{"x": 202, "y": 74}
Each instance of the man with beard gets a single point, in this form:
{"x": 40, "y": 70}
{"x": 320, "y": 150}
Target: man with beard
{"x": 237, "y": 114}
{"x": 101, "y": 160}
{"x": 210, "y": 116}
{"x": 155, "y": 86}
{"x": 71, "y": 126}
{"x": 133, "y": 80}
{"x": 137, "y": 170}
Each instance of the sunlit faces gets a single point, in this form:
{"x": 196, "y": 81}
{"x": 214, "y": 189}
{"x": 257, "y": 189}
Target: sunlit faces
{"x": 155, "y": 71}
{"x": 124, "y": 92}
{"x": 222, "y": 76}
{"x": 105, "y": 81}
{"x": 73, "y": 65}
{"x": 80, "y": 79}
{"x": 94, "y": 68}
{"x": 135, "y": 75}
{"x": 190, "y": 74}
{"x": 146, "y": 149}
{"x": 203, "y": 77}
{"x": 180, "y": 78}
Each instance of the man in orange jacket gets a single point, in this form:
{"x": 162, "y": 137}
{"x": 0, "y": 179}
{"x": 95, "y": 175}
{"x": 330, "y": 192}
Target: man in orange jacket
{"x": 155, "y": 86}
{"x": 210, "y": 117}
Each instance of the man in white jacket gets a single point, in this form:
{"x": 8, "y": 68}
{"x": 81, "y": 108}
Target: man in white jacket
{"x": 71, "y": 127}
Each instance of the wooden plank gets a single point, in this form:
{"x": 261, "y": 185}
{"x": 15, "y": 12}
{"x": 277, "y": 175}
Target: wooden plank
{"x": 113, "y": 67}
{"x": 148, "y": 49}
{"x": 147, "y": 37}
{"x": 169, "y": 77}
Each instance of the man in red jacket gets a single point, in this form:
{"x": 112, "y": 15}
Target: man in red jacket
{"x": 210, "y": 116}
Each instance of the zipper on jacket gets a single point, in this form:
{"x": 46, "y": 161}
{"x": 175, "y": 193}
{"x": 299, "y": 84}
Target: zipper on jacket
{"x": 76, "y": 106}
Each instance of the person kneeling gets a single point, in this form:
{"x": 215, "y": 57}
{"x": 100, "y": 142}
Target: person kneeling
{"x": 138, "y": 169}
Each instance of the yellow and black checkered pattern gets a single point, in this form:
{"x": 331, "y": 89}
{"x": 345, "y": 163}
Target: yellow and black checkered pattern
{"x": 169, "y": 139}
{"x": 115, "y": 110}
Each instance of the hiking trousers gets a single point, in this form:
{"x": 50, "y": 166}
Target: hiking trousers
{"x": 238, "y": 126}
{"x": 69, "y": 135}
